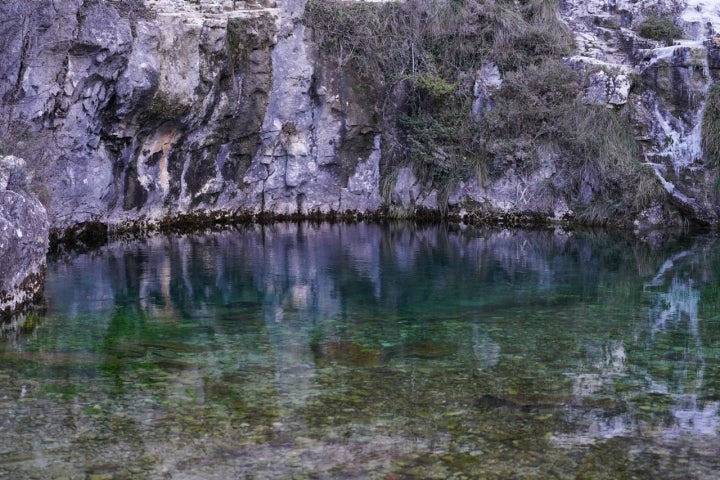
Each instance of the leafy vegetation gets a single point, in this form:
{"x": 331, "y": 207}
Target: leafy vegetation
{"x": 660, "y": 28}
{"x": 530, "y": 108}
{"x": 423, "y": 55}
{"x": 537, "y": 108}
{"x": 426, "y": 51}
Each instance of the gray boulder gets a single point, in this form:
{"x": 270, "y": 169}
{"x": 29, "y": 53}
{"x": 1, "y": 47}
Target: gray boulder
{"x": 23, "y": 239}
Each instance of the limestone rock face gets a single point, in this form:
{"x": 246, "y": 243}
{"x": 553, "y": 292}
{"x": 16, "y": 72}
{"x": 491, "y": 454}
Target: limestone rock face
{"x": 515, "y": 194}
{"x": 138, "y": 110}
{"x": 409, "y": 195}
{"x": 12, "y": 173}
{"x": 487, "y": 79}
{"x": 663, "y": 85}
{"x": 148, "y": 109}
{"x": 23, "y": 239}
{"x": 608, "y": 89}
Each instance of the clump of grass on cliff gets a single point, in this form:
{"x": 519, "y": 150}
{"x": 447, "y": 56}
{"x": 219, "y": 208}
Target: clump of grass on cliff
{"x": 538, "y": 108}
{"x": 424, "y": 55}
{"x": 660, "y": 28}
{"x": 711, "y": 126}
{"x": 603, "y": 156}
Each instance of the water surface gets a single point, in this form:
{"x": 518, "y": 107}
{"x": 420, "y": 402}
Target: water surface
{"x": 368, "y": 351}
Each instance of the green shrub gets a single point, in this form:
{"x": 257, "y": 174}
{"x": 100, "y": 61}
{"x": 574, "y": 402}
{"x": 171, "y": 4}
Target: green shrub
{"x": 430, "y": 50}
{"x": 424, "y": 54}
{"x": 434, "y": 86}
{"x": 536, "y": 109}
{"x": 660, "y": 28}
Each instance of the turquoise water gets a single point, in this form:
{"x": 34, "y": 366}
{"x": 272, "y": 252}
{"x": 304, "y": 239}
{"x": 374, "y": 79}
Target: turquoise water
{"x": 367, "y": 351}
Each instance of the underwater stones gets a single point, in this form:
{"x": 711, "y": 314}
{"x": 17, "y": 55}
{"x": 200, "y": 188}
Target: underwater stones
{"x": 23, "y": 240}
{"x": 347, "y": 353}
{"x": 426, "y": 350}
{"x": 351, "y": 354}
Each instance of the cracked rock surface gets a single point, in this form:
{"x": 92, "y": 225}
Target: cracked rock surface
{"x": 141, "y": 110}
{"x": 181, "y": 107}
{"x": 23, "y": 239}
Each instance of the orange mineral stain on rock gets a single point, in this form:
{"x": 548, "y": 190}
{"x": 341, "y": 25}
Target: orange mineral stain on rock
{"x": 155, "y": 152}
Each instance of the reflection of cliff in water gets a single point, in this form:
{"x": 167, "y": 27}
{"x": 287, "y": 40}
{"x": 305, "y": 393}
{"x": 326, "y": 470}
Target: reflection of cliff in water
{"x": 671, "y": 368}
{"x": 396, "y": 339}
{"x": 320, "y": 278}
{"x": 676, "y": 293}
{"x": 311, "y": 271}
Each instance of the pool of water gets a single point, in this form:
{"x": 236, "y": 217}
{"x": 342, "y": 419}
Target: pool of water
{"x": 367, "y": 351}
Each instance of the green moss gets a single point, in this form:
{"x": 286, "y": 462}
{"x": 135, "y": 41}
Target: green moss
{"x": 163, "y": 107}
{"x": 660, "y": 28}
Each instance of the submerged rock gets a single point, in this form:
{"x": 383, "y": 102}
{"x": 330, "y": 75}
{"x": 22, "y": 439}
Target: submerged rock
{"x": 347, "y": 353}
{"x": 425, "y": 350}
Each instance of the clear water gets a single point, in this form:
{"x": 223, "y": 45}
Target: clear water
{"x": 363, "y": 351}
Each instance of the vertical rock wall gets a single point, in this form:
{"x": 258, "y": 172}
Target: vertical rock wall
{"x": 148, "y": 110}
{"x": 23, "y": 239}
{"x": 130, "y": 110}
{"x": 667, "y": 85}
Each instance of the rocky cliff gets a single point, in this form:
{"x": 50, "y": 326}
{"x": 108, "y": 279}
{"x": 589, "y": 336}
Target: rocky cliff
{"x": 174, "y": 107}
{"x": 664, "y": 79}
{"x": 133, "y": 111}
{"x": 23, "y": 239}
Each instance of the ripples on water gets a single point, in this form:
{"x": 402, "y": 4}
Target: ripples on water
{"x": 363, "y": 351}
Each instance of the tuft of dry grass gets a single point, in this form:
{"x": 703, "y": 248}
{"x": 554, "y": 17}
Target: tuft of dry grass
{"x": 425, "y": 54}
{"x": 711, "y": 126}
